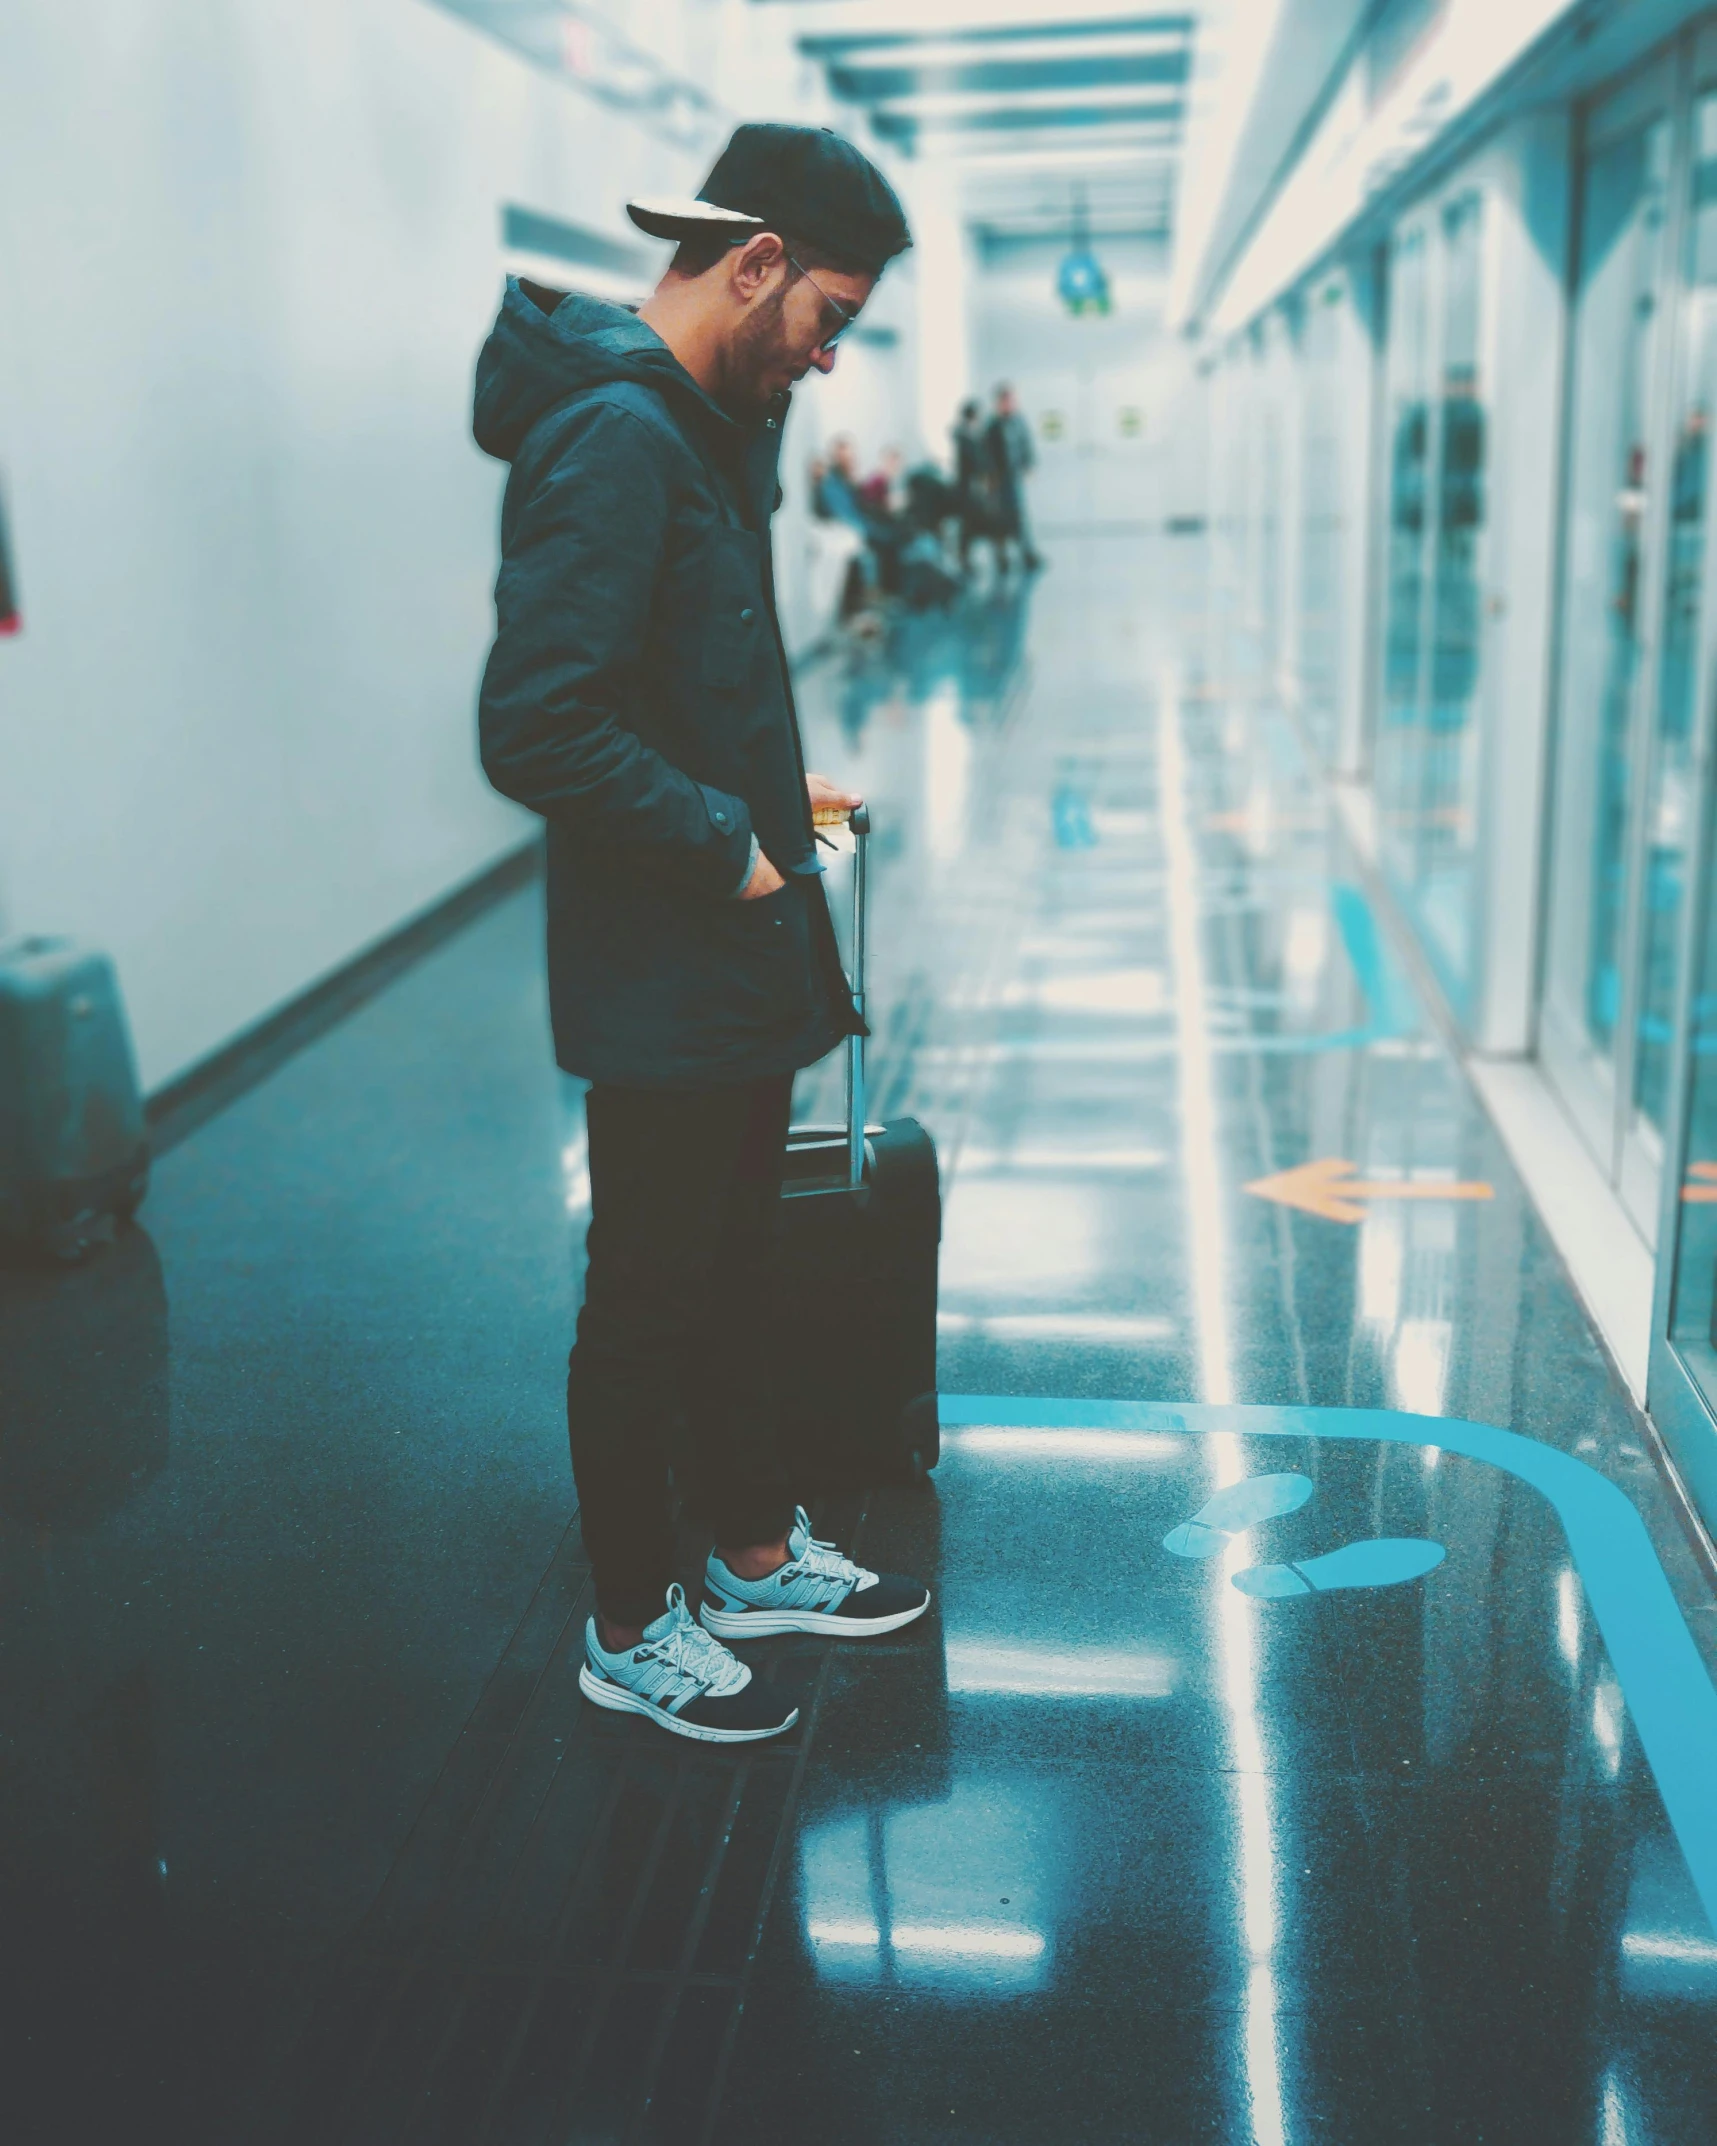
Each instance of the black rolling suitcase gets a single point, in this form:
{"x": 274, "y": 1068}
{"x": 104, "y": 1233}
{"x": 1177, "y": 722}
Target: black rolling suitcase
{"x": 862, "y": 1223}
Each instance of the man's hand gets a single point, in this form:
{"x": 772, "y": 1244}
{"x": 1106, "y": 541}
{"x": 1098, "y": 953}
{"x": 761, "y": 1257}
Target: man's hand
{"x": 829, "y": 797}
{"x": 826, "y": 797}
{"x": 764, "y": 880}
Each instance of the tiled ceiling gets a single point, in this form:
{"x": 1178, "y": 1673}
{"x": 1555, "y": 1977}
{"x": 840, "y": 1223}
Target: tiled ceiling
{"x": 1035, "y": 109}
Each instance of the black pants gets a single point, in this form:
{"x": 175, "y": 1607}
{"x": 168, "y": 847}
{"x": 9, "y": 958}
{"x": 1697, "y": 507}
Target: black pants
{"x": 685, "y": 1199}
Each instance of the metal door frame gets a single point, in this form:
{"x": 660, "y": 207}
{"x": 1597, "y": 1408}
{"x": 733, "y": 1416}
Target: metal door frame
{"x": 1685, "y": 1418}
{"x": 1610, "y": 1103}
{"x": 1637, "y": 1175}
{"x": 1428, "y": 214}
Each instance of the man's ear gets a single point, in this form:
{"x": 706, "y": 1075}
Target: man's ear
{"x": 755, "y": 263}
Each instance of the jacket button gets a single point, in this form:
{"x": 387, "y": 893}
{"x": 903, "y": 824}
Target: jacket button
{"x": 721, "y": 819}
{"x": 746, "y": 616}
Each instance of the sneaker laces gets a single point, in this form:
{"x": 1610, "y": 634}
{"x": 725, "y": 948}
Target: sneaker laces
{"x": 825, "y": 1560}
{"x": 687, "y": 1648}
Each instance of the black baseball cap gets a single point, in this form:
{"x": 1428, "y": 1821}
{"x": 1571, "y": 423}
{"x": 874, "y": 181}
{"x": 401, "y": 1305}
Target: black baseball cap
{"x": 803, "y": 181}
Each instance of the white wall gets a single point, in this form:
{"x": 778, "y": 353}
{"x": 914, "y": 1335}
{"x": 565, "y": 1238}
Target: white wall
{"x": 248, "y": 254}
{"x": 1086, "y": 372}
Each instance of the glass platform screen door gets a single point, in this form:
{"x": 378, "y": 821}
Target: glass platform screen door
{"x": 1676, "y": 999}
{"x": 1428, "y": 743}
{"x": 1635, "y": 620}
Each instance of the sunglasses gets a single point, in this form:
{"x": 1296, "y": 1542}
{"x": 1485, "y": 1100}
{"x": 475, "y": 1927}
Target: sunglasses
{"x": 843, "y": 319}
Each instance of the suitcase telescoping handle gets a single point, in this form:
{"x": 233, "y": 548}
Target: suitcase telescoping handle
{"x": 859, "y": 821}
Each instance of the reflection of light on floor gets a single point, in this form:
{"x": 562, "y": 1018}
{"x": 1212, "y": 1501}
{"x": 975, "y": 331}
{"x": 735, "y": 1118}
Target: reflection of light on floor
{"x": 953, "y": 1941}
{"x": 1257, "y": 1872}
{"x": 1670, "y": 1947}
{"x": 1305, "y": 955}
{"x": 1135, "y": 991}
{"x": 1568, "y": 1616}
{"x": 948, "y": 772}
{"x": 1204, "y": 1210}
{"x": 843, "y": 1933}
{"x": 1380, "y": 1267}
{"x": 1059, "y": 1673}
{"x": 1039, "y": 1242}
{"x": 1059, "y": 1162}
{"x": 961, "y": 1941}
{"x": 1053, "y": 1051}
{"x": 1095, "y": 1328}
{"x": 1207, "y": 1245}
{"x": 575, "y": 1175}
{"x": 1130, "y": 1447}
{"x": 1421, "y": 1366}
{"x": 1607, "y": 1725}
{"x": 1613, "y": 2113}
{"x": 907, "y": 1891}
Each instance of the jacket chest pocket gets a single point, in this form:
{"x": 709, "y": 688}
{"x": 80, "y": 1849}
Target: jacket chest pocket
{"x": 734, "y": 629}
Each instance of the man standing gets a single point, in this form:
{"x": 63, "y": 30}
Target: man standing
{"x": 973, "y": 489}
{"x": 637, "y": 698}
{"x": 1011, "y": 457}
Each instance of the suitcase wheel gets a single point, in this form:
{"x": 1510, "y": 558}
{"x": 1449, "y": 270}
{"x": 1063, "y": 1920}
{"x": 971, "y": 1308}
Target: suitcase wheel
{"x": 920, "y": 1437}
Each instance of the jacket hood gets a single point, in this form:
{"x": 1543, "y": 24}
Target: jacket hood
{"x": 539, "y": 352}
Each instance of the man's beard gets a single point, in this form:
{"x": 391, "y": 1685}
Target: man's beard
{"x": 757, "y": 349}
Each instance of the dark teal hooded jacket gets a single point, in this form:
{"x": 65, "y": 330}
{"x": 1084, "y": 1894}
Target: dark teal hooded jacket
{"x": 637, "y": 697}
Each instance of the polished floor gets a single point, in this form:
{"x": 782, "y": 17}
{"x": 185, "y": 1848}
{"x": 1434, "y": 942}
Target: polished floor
{"x": 1277, "y": 1767}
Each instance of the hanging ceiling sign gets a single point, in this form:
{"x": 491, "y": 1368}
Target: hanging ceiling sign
{"x": 1081, "y": 284}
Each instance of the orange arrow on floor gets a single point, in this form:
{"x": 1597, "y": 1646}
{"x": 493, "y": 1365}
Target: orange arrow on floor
{"x": 1699, "y": 1195}
{"x": 1330, "y": 1190}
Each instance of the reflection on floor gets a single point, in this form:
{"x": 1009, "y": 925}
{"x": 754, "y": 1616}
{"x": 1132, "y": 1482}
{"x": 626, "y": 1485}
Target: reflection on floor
{"x": 1262, "y": 1775}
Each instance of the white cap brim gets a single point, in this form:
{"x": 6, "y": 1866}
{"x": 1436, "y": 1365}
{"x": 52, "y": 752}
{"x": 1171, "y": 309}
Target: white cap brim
{"x": 679, "y": 216}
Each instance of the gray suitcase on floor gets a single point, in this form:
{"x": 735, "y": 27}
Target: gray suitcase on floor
{"x": 74, "y": 1151}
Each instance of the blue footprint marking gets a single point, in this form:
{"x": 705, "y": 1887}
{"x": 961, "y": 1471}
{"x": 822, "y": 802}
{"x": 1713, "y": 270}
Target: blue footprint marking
{"x": 1235, "y": 1509}
{"x": 1385, "y": 1562}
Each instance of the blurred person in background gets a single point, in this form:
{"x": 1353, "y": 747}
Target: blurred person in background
{"x": 1011, "y": 458}
{"x": 973, "y": 490}
{"x": 838, "y": 483}
{"x": 883, "y": 491}
{"x": 854, "y": 500}
{"x": 835, "y": 498}
{"x": 637, "y": 697}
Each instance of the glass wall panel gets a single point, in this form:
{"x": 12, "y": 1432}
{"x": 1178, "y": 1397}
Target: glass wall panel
{"x": 1618, "y": 304}
{"x": 1447, "y": 832}
{"x": 1407, "y": 399}
{"x": 1679, "y": 820}
{"x": 1694, "y": 1302}
{"x": 1230, "y": 524}
{"x": 1671, "y": 804}
{"x": 1325, "y": 430}
{"x": 1427, "y": 752}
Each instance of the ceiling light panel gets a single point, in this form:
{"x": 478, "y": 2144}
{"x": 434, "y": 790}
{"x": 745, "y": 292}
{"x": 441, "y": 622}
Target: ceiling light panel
{"x": 1039, "y": 63}
{"x": 1018, "y": 118}
{"x": 946, "y": 105}
{"x": 1067, "y": 154}
{"x": 1129, "y": 31}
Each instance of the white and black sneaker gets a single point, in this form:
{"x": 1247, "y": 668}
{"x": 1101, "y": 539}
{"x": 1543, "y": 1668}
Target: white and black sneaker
{"x": 817, "y": 1590}
{"x": 680, "y": 1678}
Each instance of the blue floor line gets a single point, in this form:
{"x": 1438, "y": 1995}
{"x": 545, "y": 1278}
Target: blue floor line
{"x": 1393, "y": 1012}
{"x": 1663, "y": 1680}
